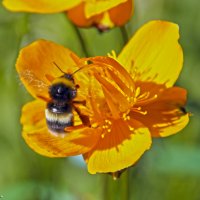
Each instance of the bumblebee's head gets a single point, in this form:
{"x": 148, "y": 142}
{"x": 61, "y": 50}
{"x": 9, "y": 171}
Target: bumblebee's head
{"x": 62, "y": 89}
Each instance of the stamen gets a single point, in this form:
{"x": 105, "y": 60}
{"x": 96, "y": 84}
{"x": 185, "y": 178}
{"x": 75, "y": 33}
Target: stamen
{"x": 126, "y": 117}
{"x": 108, "y": 122}
{"x": 139, "y": 110}
{"x": 107, "y": 127}
{"x": 131, "y": 128}
{"x": 131, "y": 100}
{"x": 144, "y": 98}
{"x": 94, "y": 125}
{"x": 137, "y": 92}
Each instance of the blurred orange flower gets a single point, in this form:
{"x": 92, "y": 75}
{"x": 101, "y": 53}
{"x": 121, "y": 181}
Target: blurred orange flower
{"x": 103, "y": 14}
{"x": 129, "y": 98}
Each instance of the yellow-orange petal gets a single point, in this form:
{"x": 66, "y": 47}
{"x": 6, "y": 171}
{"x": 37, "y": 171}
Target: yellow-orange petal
{"x": 97, "y": 7}
{"x": 37, "y": 136}
{"x": 40, "y": 6}
{"x": 120, "y": 14}
{"x": 165, "y": 115}
{"x": 104, "y": 23}
{"x": 77, "y": 16}
{"x": 35, "y": 64}
{"x": 75, "y": 143}
{"x": 154, "y": 53}
{"x": 104, "y": 62}
{"x": 119, "y": 148}
{"x": 33, "y": 116}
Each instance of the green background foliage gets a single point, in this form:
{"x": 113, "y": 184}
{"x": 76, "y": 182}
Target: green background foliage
{"x": 169, "y": 171}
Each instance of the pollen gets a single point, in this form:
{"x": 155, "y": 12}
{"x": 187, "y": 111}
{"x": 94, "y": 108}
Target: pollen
{"x": 143, "y": 112}
{"x": 131, "y": 128}
{"x": 139, "y": 110}
{"x": 137, "y": 92}
{"x": 108, "y": 122}
{"x": 126, "y": 117}
{"x": 107, "y": 127}
{"x": 131, "y": 99}
{"x": 94, "y": 125}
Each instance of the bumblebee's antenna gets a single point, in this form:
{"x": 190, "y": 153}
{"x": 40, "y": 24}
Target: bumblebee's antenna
{"x": 59, "y": 68}
{"x": 82, "y": 68}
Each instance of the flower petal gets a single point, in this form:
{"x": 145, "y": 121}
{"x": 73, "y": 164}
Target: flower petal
{"x": 77, "y": 16}
{"x": 119, "y": 148}
{"x": 36, "y": 63}
{"x": 165, "y": 115}
{"x": 104, "y": 23}
{"x": 75, "y": 143}
{"x": 40, "y": 6}
{"x": 33, "y": 116}
{"x": 109, "y": 63}
{"x": 154, "y": 53}
{"x": 120, "y": 14}
{"x": 37, "y": 136}
{"x": 97, "y": 7}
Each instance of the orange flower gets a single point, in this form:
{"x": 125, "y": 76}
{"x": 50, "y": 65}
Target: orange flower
{"x": 103, "y": 14}
{"x": 129, "y": 98}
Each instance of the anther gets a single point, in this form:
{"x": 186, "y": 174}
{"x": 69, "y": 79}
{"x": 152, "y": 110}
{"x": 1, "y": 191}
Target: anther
{"x": 143, "y": 112}
{"x": 137, "y": 92}
{"x": 131, "y": 128}
{"x": 95, "y": 125}
{"x": 128, "y": 117}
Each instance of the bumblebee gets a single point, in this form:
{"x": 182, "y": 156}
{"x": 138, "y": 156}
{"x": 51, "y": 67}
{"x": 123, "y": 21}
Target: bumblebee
{"x": 59, "y": 110}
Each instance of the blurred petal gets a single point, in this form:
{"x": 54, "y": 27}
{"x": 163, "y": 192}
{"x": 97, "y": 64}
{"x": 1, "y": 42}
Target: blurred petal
{"x": 77, "y": 16}
{"x": 40, "y": 6}
{"x": 154, "y": 53}
{"x": 119, "y": 148}
{"x": 104, "y": 23}
{"x": 37, "y": 136}
{"x": 96, "y": 7}
{"x": 36, "y": 63}
{"x": 120, "y": 14}
{"x": 165, "y": 115}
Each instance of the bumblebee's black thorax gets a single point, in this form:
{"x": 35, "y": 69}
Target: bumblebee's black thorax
{"x": 62, "y": 93}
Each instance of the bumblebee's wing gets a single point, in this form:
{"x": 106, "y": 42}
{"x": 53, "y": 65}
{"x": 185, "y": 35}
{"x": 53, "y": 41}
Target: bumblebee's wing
{"x": 36, "y": 87}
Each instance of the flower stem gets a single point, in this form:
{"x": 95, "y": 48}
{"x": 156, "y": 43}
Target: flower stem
{"x": 124, "y": 34}
{"x": 116, "y": 189}
{"x": 81, "y": 39}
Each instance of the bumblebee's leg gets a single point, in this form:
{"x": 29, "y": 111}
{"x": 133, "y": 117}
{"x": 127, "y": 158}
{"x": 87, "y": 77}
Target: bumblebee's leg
{"x": 80, "y": 102}
{"x": 84, "y": 118}
{"x": 44, "y": 98}
{"x": 74, "y": 128}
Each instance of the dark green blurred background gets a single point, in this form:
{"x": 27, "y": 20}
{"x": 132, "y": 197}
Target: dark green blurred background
{"x": 169, "y": 171}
